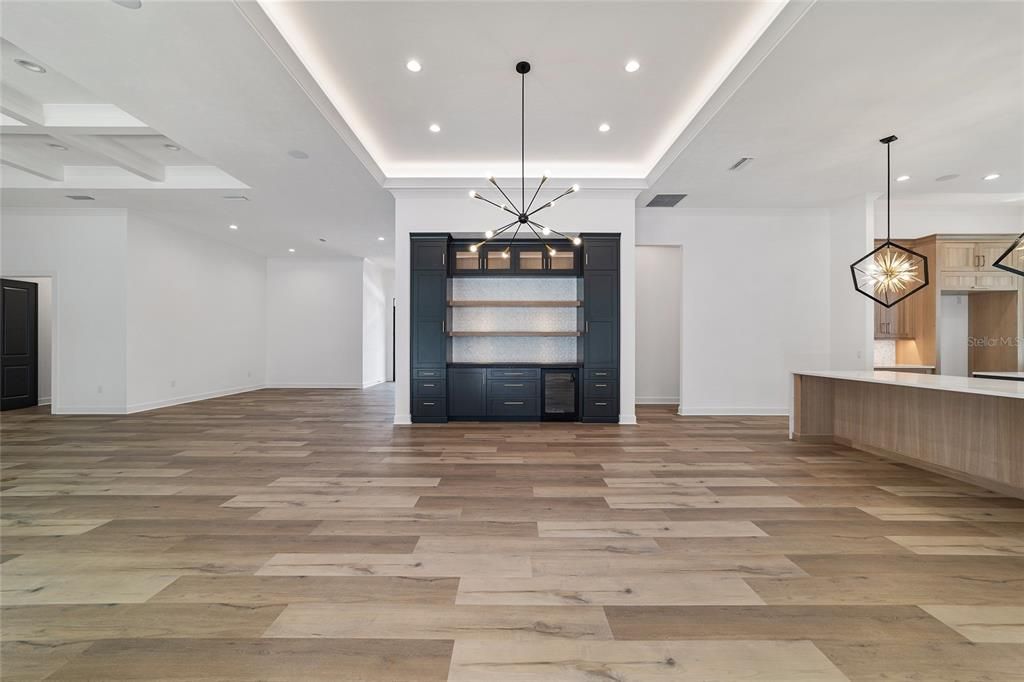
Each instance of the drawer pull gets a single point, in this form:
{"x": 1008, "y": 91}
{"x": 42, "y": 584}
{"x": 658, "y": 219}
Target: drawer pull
{"x": 602, "y": 404}
{"x": 431, "y": 404}
{"x": 513, "y": 374}
{"x": 428, "y": 385}
{"x": 601, "y": 385}
{"x": 513, "y": 402}
{"x": 600, "y": 374}
{"x": 513, "y": 385}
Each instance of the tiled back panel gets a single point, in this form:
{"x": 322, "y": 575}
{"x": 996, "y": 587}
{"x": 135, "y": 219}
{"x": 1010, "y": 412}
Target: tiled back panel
{"x": 514, "y": 348}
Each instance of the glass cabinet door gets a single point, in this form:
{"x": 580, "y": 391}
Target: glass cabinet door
{"x": 498, "y": 258}
{"x": 529, "y": 259}
{"x": 563, "y": 259}
{"x": 465, "y": 260}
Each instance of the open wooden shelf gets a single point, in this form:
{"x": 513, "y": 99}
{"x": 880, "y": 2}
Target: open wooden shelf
{"x": 514, "y": 333}
{"x": 515, "y": 304}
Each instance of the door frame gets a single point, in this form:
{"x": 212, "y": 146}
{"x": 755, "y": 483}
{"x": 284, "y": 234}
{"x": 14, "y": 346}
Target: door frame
{"x": 55, "y": 398}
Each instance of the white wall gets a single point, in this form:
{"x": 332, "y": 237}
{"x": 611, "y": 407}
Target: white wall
{"x": 44, "y": 345}
{"x": 851, "y": 315}
{"x": 314, "y": 322}
{"x": 196, "y": 316}
{"x": 910, "y": 219}
{"x": 450, "y": 210}
{"x": 755, "y": 303}
{"x": 83, "y": 251}
{"x": 658, "y": 308}
{"x": 389, "y": 326}
{"x": 376, "y": 309}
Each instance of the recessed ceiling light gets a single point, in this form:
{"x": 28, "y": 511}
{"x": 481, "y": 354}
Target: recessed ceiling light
{"x": 903, "y": 178}
{"x": 947, "y": 178}
{"x": 604, "y": 127}
{"x": 434, "y": 128}
{"x": 291, "y": 250}
{"x": 992, "y": 176}
{"x": 31, "y": 66}
{"x": 232, "y": 227}
{"x": 172, "y": 147}
{"x": 128, "y": 4}
{"x": 54, "y": 145}
{"x": 298, "y": 154}
{"x": 632, "y": 66}
{"x": 413, "y": 66}
{"x": 380, "y": 239}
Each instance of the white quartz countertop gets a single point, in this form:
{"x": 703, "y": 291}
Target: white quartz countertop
{"x": 885, "y": 367}
{"x": 1002, "y": 375}
{"x": 937, "y": 382}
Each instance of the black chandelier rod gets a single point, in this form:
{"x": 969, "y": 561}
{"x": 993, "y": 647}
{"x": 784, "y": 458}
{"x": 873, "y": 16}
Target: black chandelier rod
{"x": 477, "y": 195}
{"x": 543, "y": 179}
{"x": 498, "y": 187}
{"x": 522, "y": 120}
{"x": 887, "y": 141}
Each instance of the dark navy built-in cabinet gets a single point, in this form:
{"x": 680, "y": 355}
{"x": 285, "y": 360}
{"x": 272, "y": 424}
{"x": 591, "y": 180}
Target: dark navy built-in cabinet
{"x": 442, "y": 389}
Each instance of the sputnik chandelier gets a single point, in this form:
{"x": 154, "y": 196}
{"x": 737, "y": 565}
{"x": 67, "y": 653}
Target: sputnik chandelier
{"x": 524, "y": 212}
{"x": 891, "y": 272}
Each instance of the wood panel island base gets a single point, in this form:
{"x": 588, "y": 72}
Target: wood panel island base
{"x": 966, "y": 428}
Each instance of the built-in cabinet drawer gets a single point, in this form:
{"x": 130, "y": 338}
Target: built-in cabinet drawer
{"x": 601, "y": 375}
{"x": 513, "y": 407}
{"x": 601, "y": 389}
{"x": 513, "y": 388}
{"x": 601, "y": 408}
{"x": 513, "y": 373}
{"x": 428, "y": 374}
{"x": 961, "y": 281}
{"x": 428, "y": 407}
{"x": 428, "y": 388}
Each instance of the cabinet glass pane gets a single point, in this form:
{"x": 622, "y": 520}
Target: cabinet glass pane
{"x": 466, "y": 260}
{"x": 497, "y": 261}
{"x": 531, "y": 260}
{"x": 563, "y": 260}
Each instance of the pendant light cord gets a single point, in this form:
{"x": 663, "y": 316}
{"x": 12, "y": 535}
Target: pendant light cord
{"x": 888, "y": 186}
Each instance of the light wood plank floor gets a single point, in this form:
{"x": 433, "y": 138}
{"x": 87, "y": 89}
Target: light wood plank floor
{"x": 297, "y": 535}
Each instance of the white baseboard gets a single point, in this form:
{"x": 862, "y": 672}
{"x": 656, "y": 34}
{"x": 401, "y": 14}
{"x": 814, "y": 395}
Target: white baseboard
{"x": 627, "y": 420}
{"x": 733, "y": 411}
{"x": 658, "y": 400}
{"x": 44, "y": 401}
{"x": 314, "y": 384}
{"x": 181, "y": 400}
{"x": 369, "y": 384}
{"x": 86, "y": 409}
{"x": 403, "y": 419}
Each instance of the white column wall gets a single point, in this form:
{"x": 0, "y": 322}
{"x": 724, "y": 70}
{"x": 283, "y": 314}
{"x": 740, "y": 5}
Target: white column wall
{"x": 851, "y": 315}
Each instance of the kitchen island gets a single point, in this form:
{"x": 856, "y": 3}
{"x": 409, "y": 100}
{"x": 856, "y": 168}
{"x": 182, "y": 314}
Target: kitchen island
{"x": 967, "y": 428}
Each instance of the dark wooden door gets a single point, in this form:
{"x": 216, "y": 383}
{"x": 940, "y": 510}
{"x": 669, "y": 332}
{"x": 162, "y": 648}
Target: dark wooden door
{"x": 467, "y": 392}
{"x": 600, "y": 306}
{"x": 19, "y": 351}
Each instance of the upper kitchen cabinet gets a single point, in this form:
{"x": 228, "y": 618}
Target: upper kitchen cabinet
{"x": 518, "y": 260}
{"x": 967, "y": 266}
{"x": 429, "y": 252}
{"x": 896, "y": 322}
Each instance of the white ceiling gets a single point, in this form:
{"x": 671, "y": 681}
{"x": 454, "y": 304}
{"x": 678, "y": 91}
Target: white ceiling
{"x": 807, "y": 94}
{"x": 946, "y": 77}
{"x": 357, "y": 51}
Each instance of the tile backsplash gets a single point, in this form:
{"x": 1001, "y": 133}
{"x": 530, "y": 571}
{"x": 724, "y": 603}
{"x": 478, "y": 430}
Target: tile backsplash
{"x": 514, "y": 348}
{"x": 885, "y": 352}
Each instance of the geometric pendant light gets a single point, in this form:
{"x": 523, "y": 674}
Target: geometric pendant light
{"x": 1013, "y": 259}
{"x": 891, "y": 272}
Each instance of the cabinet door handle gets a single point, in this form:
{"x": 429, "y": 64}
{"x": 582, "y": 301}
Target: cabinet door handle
{"x": 513, "y": 402}
{"x": 513, "y": 385}
{"x": 587, "y": 327}
{"x": 442, "y": 257}
{"x": 444, "y": 326}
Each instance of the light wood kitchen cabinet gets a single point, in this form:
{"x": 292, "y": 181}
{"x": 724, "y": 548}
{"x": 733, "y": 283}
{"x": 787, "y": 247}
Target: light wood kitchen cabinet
{"x": 957, "y": 256}
{"x": 896, "y": 322}
{"x": 967, "y": 266}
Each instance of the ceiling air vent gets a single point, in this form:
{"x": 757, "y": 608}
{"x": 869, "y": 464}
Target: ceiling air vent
{"x": 744, "y": 160}
{"x": 665, "y": 200}
{"x": 80, "y": 197}
{"x": 236, "y": 197}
